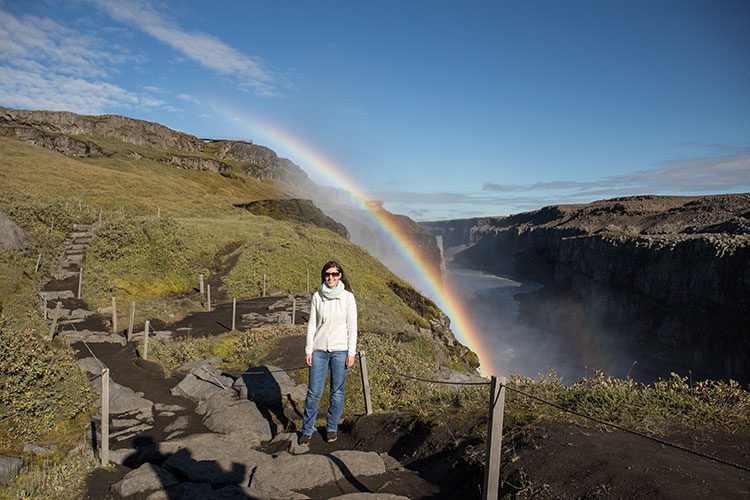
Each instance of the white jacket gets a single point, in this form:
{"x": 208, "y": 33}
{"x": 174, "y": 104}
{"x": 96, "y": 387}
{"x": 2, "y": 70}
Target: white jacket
{"x": 333, "y": 324}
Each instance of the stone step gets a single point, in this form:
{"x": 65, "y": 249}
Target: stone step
{"x": 57, "y": 295}
{"x": 72, "y": 336}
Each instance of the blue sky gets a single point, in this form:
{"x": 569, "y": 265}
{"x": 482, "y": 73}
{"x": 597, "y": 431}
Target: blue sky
{"x": 441, "y": 109}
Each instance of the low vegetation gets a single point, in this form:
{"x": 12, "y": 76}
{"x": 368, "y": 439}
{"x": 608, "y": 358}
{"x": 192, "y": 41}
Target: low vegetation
{"x": 162, "y": 226}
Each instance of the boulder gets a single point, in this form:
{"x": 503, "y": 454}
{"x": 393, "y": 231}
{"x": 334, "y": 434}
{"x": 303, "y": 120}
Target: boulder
{"x": 179, "y": 424}
{"x": 309, "y": 471}
{"x": 292, "y": 441}
{"x": 91, "y": 365}
{"x": 225, "y": 414}
{"x": 123, "y": 400}
{"x": 9, "y": 469}
{"x": 11, "y": 236}
{"x": 269, "y": 385}
{"x": 189, "y": 365}
{"x": 214, "y": 458}
{"x": 147, "y": 477}
{"x": 201, "y": 383}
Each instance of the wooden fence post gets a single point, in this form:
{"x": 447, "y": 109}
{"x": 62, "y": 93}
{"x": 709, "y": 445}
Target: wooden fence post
{"x": 55, "y": 320}
{"x": 104, "y": 453}
{"x": 80, "y": 281}
{"x": 114, "y": 315}
{"x": 294, "y": 309}
{"x": 264, "y": 285}
{"x": 200, "y": 282}
{"x": 131, "y": 323}
{"x": 491, "y": 488}
{"x": 145, "y": 339}
{"x": 234, "y": 313}
{"x": 208, "y": 295}
{"x": 38, "y": 261}
{"x": 365, "y": 382}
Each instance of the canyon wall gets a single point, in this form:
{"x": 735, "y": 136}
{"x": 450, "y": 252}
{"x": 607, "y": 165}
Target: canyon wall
{"x": 668, "y": 277}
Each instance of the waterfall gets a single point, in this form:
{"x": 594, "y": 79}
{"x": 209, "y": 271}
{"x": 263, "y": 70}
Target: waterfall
{"x": 439, "y": 240}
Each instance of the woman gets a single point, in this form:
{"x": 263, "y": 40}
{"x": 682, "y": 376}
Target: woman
{"x": 330, "y": 346}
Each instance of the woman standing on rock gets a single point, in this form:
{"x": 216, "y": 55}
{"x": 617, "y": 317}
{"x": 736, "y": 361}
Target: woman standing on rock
{"x": 330, "y": 346}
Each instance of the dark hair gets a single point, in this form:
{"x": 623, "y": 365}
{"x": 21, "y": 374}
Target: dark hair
{"x": 330, "y": 264}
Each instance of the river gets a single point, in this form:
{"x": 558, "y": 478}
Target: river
{"x": 509, "y": 347}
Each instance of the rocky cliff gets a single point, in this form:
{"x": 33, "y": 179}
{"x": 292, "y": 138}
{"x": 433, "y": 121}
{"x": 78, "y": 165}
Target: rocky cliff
{"x": 90, "y": 136}
{"x": 296, "y": 210}
{"x": 668, "y": 275}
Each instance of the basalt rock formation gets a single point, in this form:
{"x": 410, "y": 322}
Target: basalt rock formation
{"x": 80, "y": 136}
{"x": 303, "y": 211}
{"x": 668, "y": 276}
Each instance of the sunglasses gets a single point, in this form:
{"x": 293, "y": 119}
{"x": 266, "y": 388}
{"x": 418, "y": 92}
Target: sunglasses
{"x": 331, "y": 275}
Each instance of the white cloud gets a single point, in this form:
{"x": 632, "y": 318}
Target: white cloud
{"x": 202, "y": 48}
{"x": 717, "y": 173}
{"x": 37, "y": 43}
{"x": 55, "y": 92}
{"x": 44, "y": 65}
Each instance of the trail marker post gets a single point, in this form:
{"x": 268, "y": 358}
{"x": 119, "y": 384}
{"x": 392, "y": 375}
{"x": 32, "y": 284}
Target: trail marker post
{"x": 114, "y": 315}
{"x": 132, "y": 320}
{"x": 491, "y": 485}
{"x": 234, "y": 313}
{"x": 264, "y": 285}
{"x": 294, "y": 309}
{"x": 200, "y": 282}
{"x": 80, "y": 281}
{"x": 208, "y": 296}
{"x": 145, "y": 339}
{"x": 158, "y": 212}
{"x": 45, "y": 307}
{"x": 58, "y": 311}
{"x": 38, "y": 261}
{"x": 365, "y": 382}
{"x": 104, "y": 452}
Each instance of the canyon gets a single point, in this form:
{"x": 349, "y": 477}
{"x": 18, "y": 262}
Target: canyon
{"x": 666, "y": 279}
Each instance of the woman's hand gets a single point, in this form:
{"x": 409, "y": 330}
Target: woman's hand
{"x": 349, "y": 362}
{"x": 308, "y": 359}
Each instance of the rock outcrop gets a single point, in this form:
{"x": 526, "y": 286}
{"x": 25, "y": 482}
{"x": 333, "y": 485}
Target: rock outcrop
{"x": 668, "y": 275}
{"x": 296, "y": 210}
{"x": 11, "y": 236}
{"x": 79, "y": 136}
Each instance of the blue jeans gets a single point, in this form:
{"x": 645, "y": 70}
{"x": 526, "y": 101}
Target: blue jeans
{"x": 322, "y": 362}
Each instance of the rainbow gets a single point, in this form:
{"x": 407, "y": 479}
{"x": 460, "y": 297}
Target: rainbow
{"x": 304, "y": 154}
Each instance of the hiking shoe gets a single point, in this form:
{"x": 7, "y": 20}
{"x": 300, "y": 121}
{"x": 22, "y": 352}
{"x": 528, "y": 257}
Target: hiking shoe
{"x": 331, "y": 437}
{"x": 304, "y": 440}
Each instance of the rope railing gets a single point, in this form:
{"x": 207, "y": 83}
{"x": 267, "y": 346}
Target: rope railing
{"x": 577, "y": 413}
{"x": 628, "y": 430}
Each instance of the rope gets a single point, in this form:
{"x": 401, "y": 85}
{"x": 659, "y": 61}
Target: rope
{"x": 444, "y": 382}
{"x": 630, "y": 431}
{"x": 87, "y": 347}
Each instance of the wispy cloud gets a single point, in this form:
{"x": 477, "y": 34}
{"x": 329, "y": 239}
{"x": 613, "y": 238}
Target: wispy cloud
{"x": 715, "y": 173}
{"x": 45, "y": 65}
{"x": 205, "y": 49}
{"x": 720, "y": 173}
